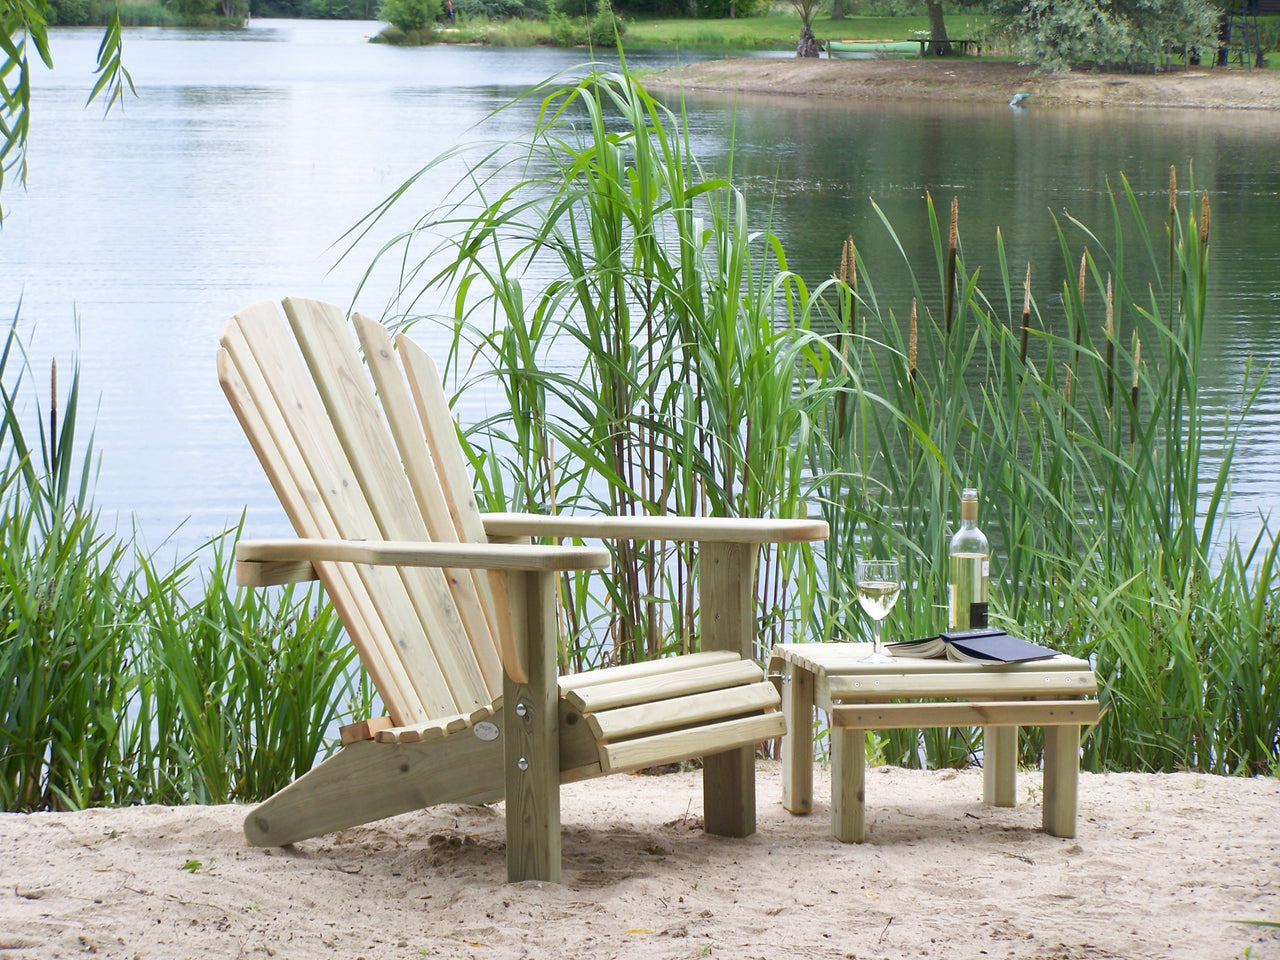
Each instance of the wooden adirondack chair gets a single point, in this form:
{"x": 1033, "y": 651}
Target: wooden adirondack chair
{"x": 454, "y": 617}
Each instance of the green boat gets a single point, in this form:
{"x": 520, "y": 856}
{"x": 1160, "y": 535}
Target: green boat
{"x": 854, "y": 49}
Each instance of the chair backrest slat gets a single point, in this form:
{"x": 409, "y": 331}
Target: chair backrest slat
{"x": 455, "y": 477}
{"x": 420, "y": 468}
{"x": 263, "y": 423}
{"x": 335, "y": 489}
{"x": 340, "y": 376}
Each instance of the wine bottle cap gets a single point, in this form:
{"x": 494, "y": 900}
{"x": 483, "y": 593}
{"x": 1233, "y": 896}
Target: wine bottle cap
{"x": 968, "y": 504}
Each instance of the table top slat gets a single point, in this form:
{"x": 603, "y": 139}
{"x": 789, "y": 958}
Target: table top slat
{"x": 831, "y": 660}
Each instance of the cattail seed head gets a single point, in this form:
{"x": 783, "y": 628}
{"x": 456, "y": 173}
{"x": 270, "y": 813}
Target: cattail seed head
{"x": 955, "y": 222}
{"x": 1173, "y": 190}
{"x": 1066, "y": 387}
{"x": 1137, "y": 360}
{"x": 1109, "y": 327}
{"x": 1084, "y": 261}
{"x": 913, "y": 340}
{"x": 1026, "y": 293}
{"x": 1204, "y": 218}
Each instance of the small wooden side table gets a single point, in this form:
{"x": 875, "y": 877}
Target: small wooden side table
{"x": 1059, "y": 695}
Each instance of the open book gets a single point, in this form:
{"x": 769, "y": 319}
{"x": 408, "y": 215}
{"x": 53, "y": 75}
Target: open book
{"x": 984, "y": 645}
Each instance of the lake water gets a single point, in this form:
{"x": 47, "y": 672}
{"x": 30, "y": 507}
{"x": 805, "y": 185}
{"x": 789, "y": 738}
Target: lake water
{"x": 247, "y": 155}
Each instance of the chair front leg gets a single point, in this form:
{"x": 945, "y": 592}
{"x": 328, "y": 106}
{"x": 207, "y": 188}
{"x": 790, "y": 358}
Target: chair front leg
{"x": 532, "y": 739}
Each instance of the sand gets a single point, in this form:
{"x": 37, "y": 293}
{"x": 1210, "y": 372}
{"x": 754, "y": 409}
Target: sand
{"x": 1164, "y": 866}
{"x": 953, "y": 80}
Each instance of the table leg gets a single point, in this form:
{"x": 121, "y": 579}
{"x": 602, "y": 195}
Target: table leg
{"x": 797, "y": 745}
{"x": 849, "y": 785}
{"x": 1000, "y": 766}
{"x": 1061, "y": 779}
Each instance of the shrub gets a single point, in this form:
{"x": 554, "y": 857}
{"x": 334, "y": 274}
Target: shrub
{"x": 409, "y": 15}
{"x": 68, "y": 13}
{"x": 1060, "y": 34}
{"x": 605, "y": 30}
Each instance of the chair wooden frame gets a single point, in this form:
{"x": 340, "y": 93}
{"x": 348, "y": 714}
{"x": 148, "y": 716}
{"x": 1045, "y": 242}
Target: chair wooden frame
{"x": 454, "y": 612}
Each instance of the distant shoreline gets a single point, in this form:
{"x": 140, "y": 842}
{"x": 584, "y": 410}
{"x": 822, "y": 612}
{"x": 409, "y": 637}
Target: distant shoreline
{"x": 976, "y": 81}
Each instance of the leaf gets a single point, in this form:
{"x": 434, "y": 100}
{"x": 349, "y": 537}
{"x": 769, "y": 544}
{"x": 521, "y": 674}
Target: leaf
{"x": 191, "y": 866}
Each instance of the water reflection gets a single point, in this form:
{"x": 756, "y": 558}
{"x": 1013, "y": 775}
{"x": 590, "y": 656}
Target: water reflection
{"x": 248, "y": 154}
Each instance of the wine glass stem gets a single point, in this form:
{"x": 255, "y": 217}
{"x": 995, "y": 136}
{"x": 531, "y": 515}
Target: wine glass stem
{"x": 875, "y": 637}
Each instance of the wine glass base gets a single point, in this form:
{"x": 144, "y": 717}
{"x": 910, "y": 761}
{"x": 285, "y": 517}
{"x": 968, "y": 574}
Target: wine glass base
{"x": 877, "y": 658}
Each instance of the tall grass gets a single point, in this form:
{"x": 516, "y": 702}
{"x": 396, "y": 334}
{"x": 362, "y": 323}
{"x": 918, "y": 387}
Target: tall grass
{"x": 126, "y": 681}
{"x": 660, "y": 361}
{"x": 657, "y": 355}
{"x": 1082, "y": 426}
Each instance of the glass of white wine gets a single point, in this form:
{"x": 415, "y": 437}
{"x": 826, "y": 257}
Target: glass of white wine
{"x": 878, "y": 586}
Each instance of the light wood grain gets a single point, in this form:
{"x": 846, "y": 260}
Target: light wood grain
{"x": 727, "y": 621}
{"x": 354, "y": 413}
{"x": 990, "y": 683}
{"x": 455, "y": 479}
{"x": 363, "y": 729}
{"x": 364, "y": 456}
{"x": 259, "y": 414}
{"x": 1031, "y": 713}
{"x": 662, "y": 686}
{"x": 368, "y": 781}
{"x": 531, "y": 764}
{"x": 420, "y": 470}
{"x": 645, "y": 668}
{"x": 849, "y": 785}
{"x": 1000, "y": 766}
{"x": 672, "y": 528}
{"x": 646, "y": 718}
{"x": 701, "y": 741}
{"x": 1061, "y": 780}
{"x": 797, "y": 745}
{"x": 256, "y": 574}
{"x": 836, "y": 659}
{"x": 338, "y": 493}
{"x": 427, "y": 554}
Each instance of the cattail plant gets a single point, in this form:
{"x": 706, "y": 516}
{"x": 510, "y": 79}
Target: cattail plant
{"x": 1109, "y": 334}
{"x": 953, "y": 242}
{"x": 913, "y": 344}
{"x": 1133, "y": 388}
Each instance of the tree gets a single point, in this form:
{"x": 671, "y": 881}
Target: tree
{"x": 808, "y": 44}
{"x": 23, "y": 26}
{"x": 1059, "y": 34}
{"x": 938, "y": 39}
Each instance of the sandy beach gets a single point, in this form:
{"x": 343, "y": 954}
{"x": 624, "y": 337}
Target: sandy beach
{"x": 954, "y": 80}
{"x": 1164, "y": 866}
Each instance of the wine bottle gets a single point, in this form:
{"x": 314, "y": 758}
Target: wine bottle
{"x": 970, "y": 569}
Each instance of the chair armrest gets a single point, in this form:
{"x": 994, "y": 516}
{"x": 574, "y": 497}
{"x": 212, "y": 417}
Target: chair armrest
{"x": 265, "y": 562}
{"x": 675, "y": 528}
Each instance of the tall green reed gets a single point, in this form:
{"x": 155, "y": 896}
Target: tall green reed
{"x": 655, "y": 352}
{"x": 123, "y": 680}
{"x": 657, "y": 355}
{"x": 1104, "y": 522}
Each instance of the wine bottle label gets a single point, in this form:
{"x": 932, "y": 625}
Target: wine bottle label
{"x": 977, "y": 615}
